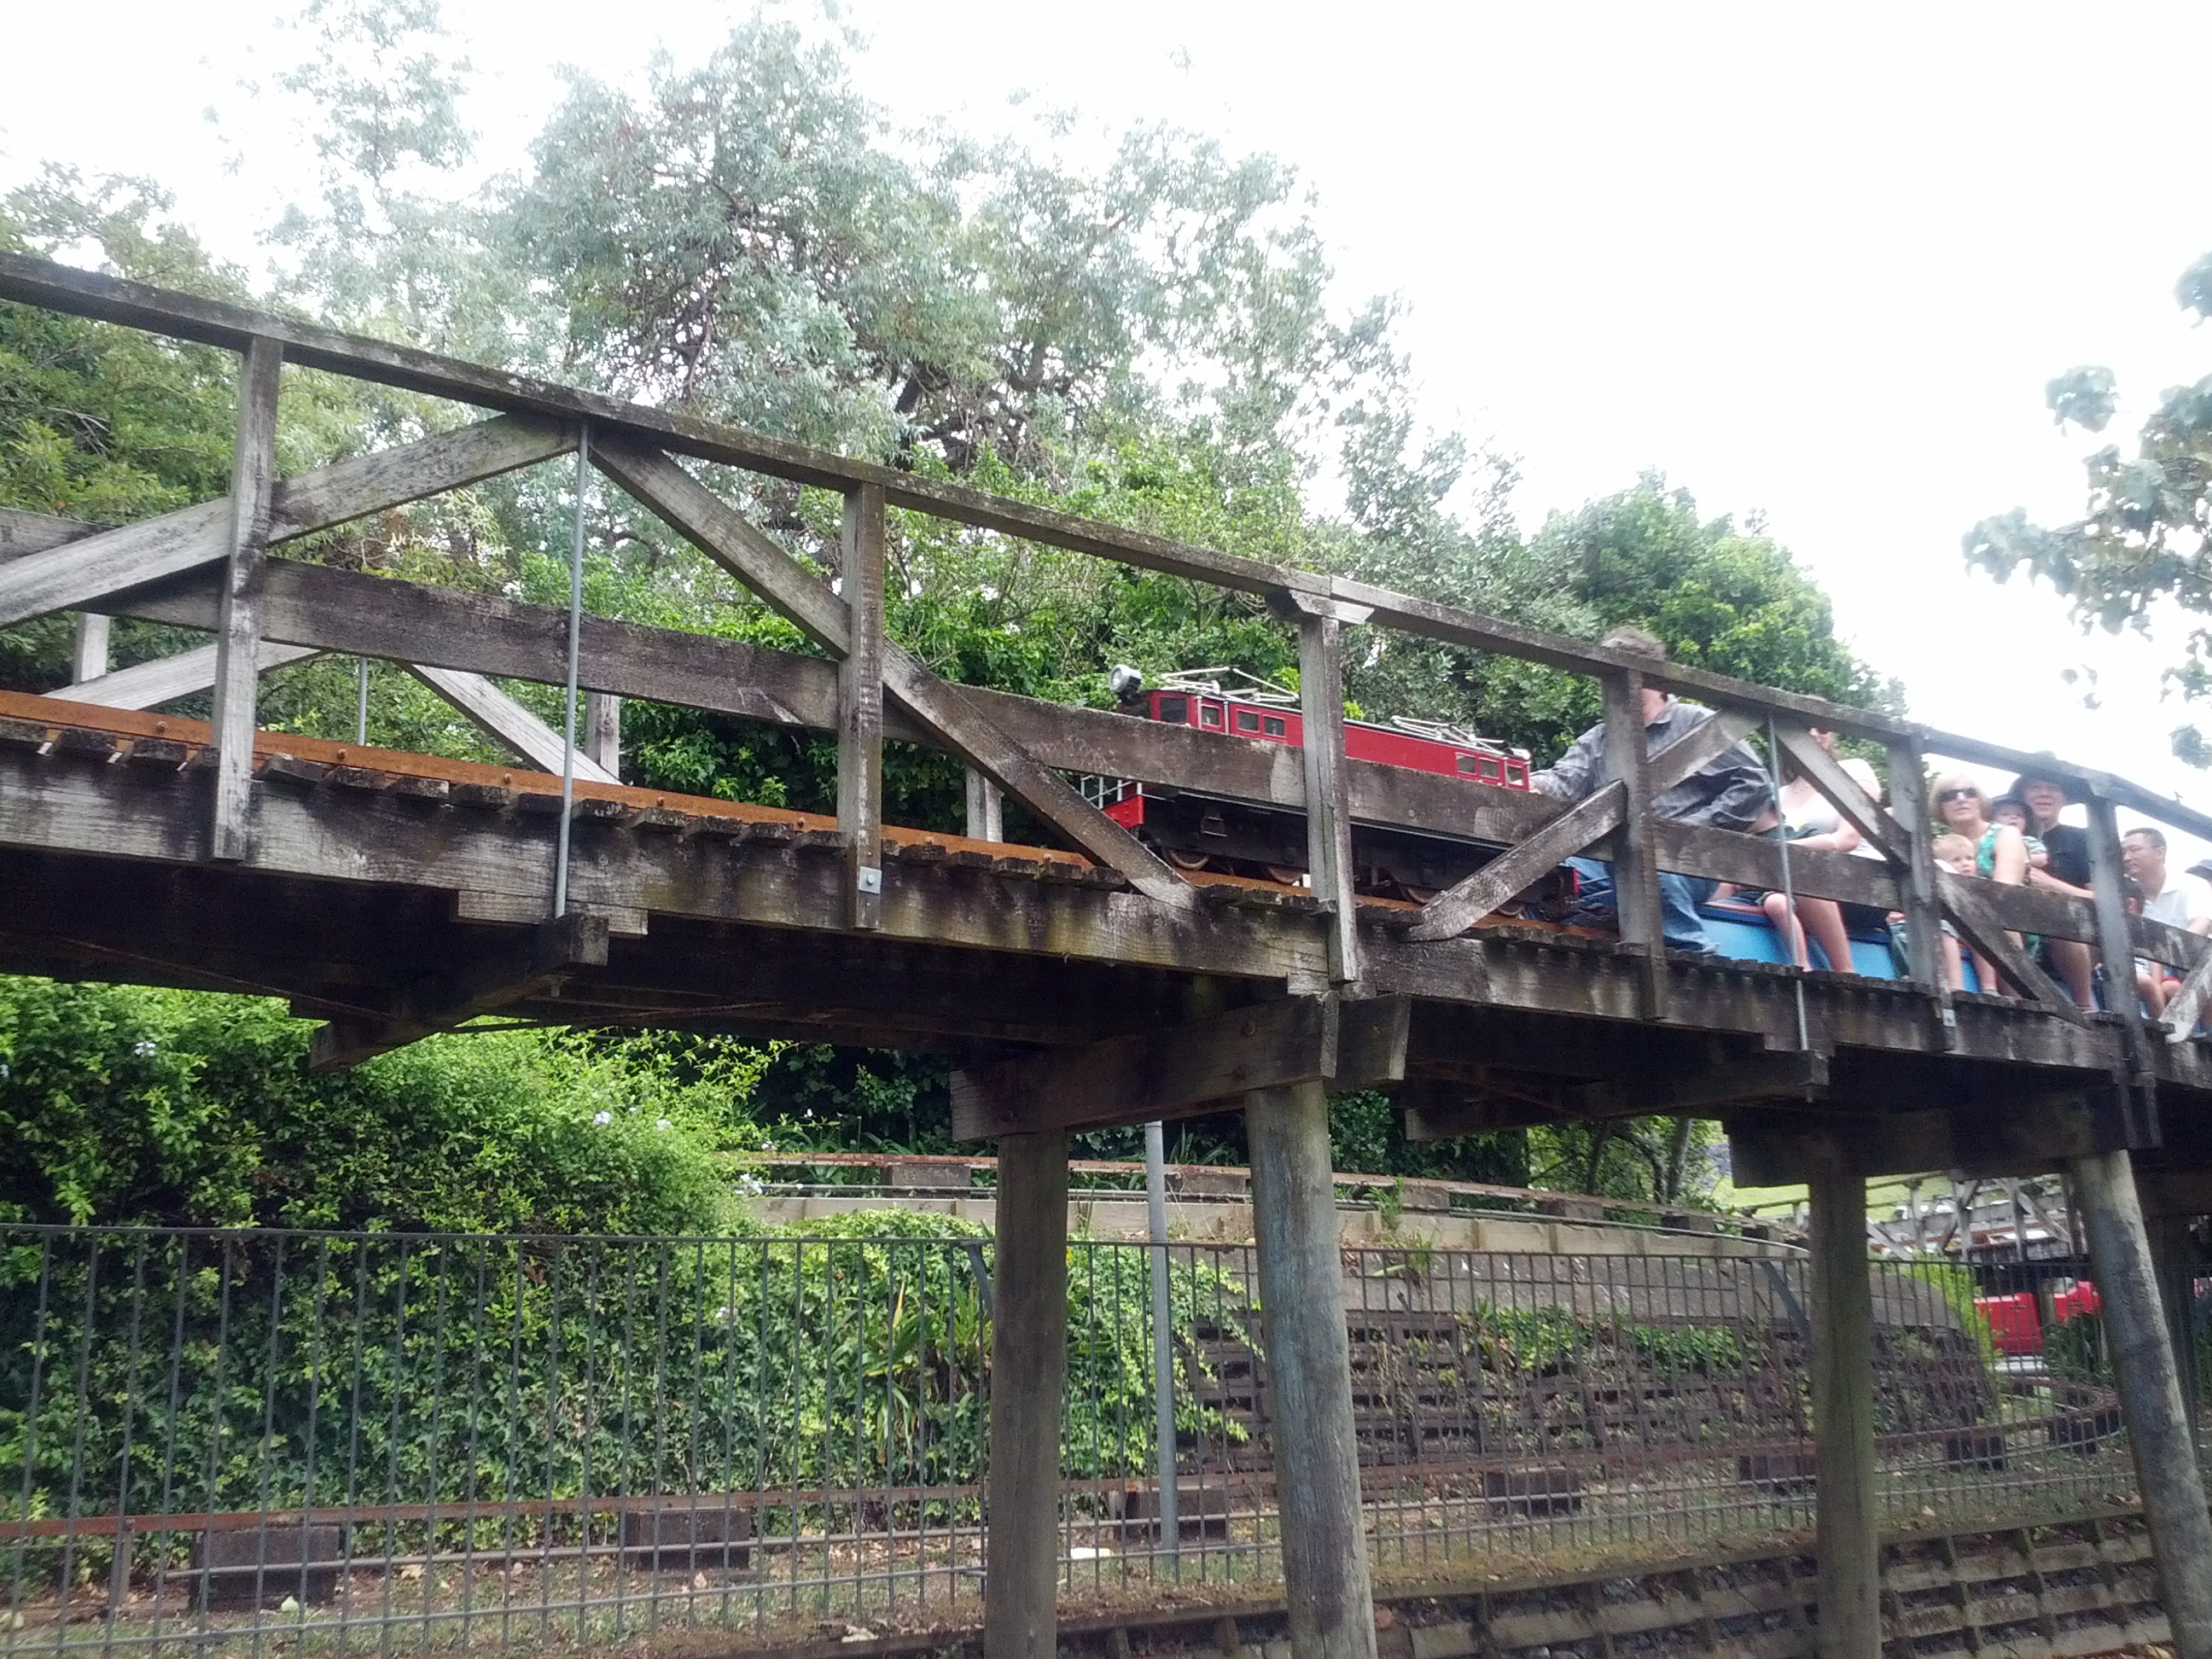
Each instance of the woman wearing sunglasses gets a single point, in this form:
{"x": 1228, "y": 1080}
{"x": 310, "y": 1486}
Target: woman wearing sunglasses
{"x": 1962, "y": 808}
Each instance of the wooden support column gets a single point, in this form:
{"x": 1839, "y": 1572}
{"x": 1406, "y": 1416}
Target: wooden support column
{"x": 1029, "y": 1371}
{"x": 1325, "y": 1574}
{"x": 1849, "y": 1544}
{"x": 89, "y": 651}
{"x": 1328, "y": 824}
{"x": 2137, "y": 1091}
{"x": 238, "y": 631}
{"x": 1636, "y": 871}
{"x": 601, "y": 738}
{"x": 2150, "y": 1396}
{"x": 860, "y": 707}
{"x": 1924, "y": 909}
{"x": 2173, "y": 1261}
{"x": 986, "y": 808}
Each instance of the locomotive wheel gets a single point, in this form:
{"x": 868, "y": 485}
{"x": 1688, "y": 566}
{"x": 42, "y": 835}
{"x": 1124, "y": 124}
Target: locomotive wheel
{"x": 1289, "y": 874}
{"x": 1185, "y": 860}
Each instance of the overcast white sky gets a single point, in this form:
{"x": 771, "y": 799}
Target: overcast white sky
{"x": 1811, "y": 263}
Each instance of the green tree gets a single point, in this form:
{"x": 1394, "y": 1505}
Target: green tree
{"x": 2139, "y": 547}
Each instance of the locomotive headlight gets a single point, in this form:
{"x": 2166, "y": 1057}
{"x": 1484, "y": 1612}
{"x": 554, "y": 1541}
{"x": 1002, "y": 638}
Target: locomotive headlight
{"x": 1126, "y": 683}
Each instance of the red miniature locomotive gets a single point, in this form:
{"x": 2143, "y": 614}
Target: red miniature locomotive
{"x": 1196, "y": 830}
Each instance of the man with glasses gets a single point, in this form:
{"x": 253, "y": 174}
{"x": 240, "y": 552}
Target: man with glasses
{"x": 1732, "y": 791}
{"x": 2178, "y": 900}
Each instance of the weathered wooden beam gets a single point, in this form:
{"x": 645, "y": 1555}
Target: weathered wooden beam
{"x": 507, "y": 721}
{"x": 506, "y": 971}
{"x": 2184, "y": 1009}
{"x": 23, "y": 531}
{"x": 1028, "y": 1369}
{"x": 1847, "y": 1499}
{"x": 987, "y": 807}
{"x": 71, "y": 575}
{"x": 2136, "y": 1089}
{"x": 1326, "y": 1580}
{"x": 1187, "y": 1069}
{"x": 89, "y": 650}
{"x": 1982, "y": 927}
{"x": 1457, "y": 908}
{"x": 2150, "y": 1396}
{"x": 238, "y": 621}
{"x": 860, "y": 705}
{"x": 2031, "y": 1134}
{"x": 1636, "y": 867}
{"x": 166, "y": 679}
{"x": 601, "y": 738}
{"x": 1328, "y": 822}
{"x": 1441, "y": 1110}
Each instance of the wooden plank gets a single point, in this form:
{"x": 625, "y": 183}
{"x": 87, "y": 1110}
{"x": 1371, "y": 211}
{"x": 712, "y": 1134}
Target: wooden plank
{"x": 2150, "y": 1396}
{"x": 1326, "y": 1581}
{"x": 1458, "y": 907}
{"x": 987, "y": 816}
{"x": 23, "y": 531}
{"x": 164, "y": 679}
{"x": 89, "y": 651}
{"x": 1848, "y": 1547}
{"x": 507, "y": 721}
{"x": 67, "y": 575}
{"x": 1980, "y": 925}
{"x": 506, "y": 971}
{"x": 2137, "y": 1091}
{"x": 2185, "y": 1008}
{"x": 1328, "y": 824}
{"x": 1922, "y": 900}
{"x": 1029, "y": 1371}
{"x": 1636, "y": 868}
{"x": 1756, "y": 862}
{"x": 238, "y": 621}
{"x": 1185, "y": 1069}
{"x": 861, "y": 706}
{"x": 1784, "y": 1074}
{"x": 601, "y": 738}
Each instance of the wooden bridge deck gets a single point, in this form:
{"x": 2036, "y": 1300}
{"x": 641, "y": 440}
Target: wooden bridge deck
{"x": 393, "y": 896}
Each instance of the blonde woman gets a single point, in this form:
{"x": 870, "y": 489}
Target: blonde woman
{"x": 1962, "y": 808}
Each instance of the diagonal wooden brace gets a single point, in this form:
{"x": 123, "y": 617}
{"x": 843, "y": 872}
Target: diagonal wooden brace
{"x": 509, "y": 971}
{"x": 507, "y": 721}
{"x": 950, "y": 717}
{"x": 1982, "y": 929}
{"x": 1457, "y": 908}
{"x": 1857, "y": 807}
{"x": 86, "y": 568}
{"x": 1187, "y": 1069}
{"x": 2187, "y": 1005}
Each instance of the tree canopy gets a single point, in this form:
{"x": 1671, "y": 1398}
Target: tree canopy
{"x": 2139, "y": 548}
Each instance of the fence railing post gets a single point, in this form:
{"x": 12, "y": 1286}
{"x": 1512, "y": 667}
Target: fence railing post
{"x": 1923, "y": 911}
{"x": 860, "y": 707}
{"x": 2137, "y": 1091}
{"x": 1328, "y": 824}
{"x": 238, "y": 629}
{"x": 1636, "y": 870}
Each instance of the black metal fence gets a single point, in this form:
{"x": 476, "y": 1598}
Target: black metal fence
{"x": 348, "y": 1440}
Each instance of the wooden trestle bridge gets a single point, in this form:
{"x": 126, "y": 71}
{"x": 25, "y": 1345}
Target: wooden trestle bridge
{"x": 1086, "y": 984}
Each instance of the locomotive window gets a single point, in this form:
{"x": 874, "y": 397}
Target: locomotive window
{"x": 1175, "y": 709}
{"x": 1479, "y": 766}
{"x": 1208, "y": 714}
{"x": 1274, "y": 726}
{"x": 1248, "y": 720}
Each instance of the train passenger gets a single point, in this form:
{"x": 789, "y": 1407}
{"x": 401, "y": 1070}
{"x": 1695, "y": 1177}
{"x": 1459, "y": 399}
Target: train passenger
{"x": 2064, "y": 868}
{"x": 1730, "y": 792}
{"x": 2178, "y": 900}
{"x": 1956, "y": 854}
{"x": 1962, "y": 807}
{"x": 1810, "y": 820}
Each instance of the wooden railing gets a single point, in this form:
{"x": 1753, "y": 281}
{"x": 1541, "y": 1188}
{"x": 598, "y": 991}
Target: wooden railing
{"x": 210, "y": 567}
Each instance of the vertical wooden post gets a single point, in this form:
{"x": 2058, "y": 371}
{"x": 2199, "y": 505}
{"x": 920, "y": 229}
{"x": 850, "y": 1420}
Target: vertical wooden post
{"x": 1923, "y": 911}
{"x": 1329, "y": 826}
{"x": 1636, "y": 871}
{"x": 89, "y": 651}
{"x": 1849, "y": 1544}
{"x": 2137, "y": 1091}
{"x": 2150, "y": 1396}
{"x": 1317, "y": 1449}
{"x": 860, "y": 707}
{"x": 2173, "y": 1263}
{"x": 238, "y": 628}
{"x": 986, "y": 808}
{"x": 1029, "y": 1371}
{"x": 603, "y": 730}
